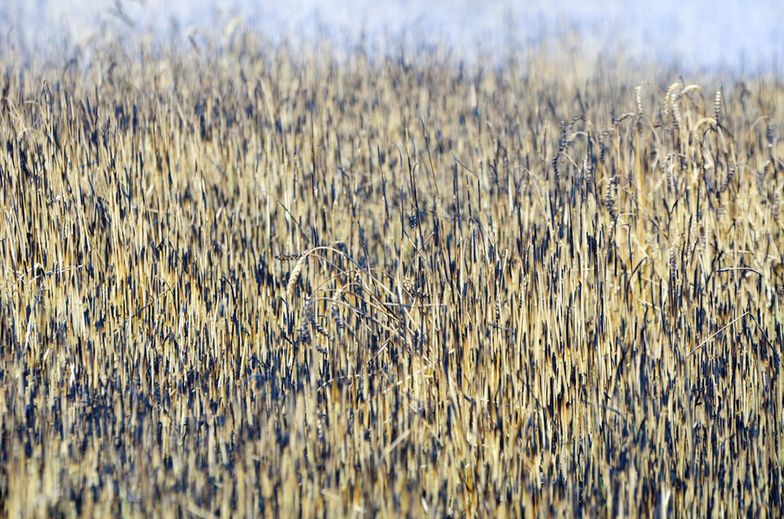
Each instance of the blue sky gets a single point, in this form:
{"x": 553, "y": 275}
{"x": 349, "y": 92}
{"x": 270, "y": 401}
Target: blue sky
{"x": 704, "y": 34}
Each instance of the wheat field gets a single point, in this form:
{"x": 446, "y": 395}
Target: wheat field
{"x": 243, "y": 279}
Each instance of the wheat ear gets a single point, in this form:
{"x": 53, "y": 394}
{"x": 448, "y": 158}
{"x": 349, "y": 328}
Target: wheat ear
{"x": 295, "y": 275}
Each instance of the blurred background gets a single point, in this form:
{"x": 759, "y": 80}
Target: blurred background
{"x": 699, "y": 35}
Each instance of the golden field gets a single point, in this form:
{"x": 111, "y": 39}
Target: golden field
{"x": 244, "y": 280}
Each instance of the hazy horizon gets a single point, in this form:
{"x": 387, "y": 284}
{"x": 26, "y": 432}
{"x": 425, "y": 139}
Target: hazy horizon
{"x": 699, "y": 35}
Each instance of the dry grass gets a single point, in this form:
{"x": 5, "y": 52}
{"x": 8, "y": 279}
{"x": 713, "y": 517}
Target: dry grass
{"x": 247, "y": 283}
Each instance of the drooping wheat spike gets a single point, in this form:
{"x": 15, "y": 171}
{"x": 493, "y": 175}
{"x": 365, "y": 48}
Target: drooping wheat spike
{"x": 717, "y": 106}
{"x": 710, "y": 122}
{"x": 691, "y": 88}
{"x": 669, "y": 95}
{"x": 294, "y": 275}
{"x": 308, "y": 311}
{"x": 288, "y": 257}
{"x": 609, "y": 199}
{"x": 676, "y": 109}
{"x": 321, "y": 330}
{"x": 621, "y": 118}
{"x": 309, "y": 317}
{"x": 303, "y": 334}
